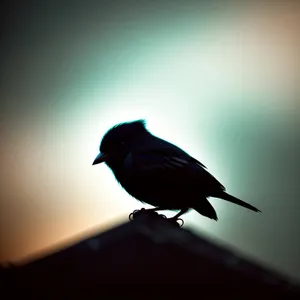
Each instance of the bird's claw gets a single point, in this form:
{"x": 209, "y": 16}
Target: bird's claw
{"x": 175, "y": 221}
{"x": 132, "y": 216}
{"x": 181, "y": 222}
{"x": 136, "y": 213}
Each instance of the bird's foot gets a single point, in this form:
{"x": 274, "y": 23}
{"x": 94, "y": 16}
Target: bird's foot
{"x": 150, "y": 212}
{"x": 177, "y": 221}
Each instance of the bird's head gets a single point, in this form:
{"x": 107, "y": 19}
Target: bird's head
{"x": 118, "y": 141}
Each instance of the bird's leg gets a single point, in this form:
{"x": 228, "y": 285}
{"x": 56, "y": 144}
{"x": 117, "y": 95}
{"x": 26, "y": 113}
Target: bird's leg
{"x": 176, "y": 217}
{"x": 182, "y": 211}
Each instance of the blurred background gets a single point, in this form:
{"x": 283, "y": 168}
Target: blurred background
{"x": 218, "y": 78}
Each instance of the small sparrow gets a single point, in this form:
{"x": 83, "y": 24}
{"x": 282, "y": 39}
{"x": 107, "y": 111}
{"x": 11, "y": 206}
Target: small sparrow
{"x": 159, "y": 173}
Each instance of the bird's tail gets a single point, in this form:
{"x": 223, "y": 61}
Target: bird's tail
{"x": 204, "y": 208}
{"x": 237, "y": 201}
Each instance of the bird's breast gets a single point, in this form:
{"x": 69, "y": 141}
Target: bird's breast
{"x": 154, "y": 192}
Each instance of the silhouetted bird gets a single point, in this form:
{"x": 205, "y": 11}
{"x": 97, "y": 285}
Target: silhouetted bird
{"x": 159, "y": 173}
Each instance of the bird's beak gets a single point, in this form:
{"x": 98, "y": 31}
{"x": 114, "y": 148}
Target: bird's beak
{"x": 100, "y": 158}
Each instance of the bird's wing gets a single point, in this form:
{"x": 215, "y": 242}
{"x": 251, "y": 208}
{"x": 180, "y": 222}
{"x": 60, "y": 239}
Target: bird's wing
{"x": 152, "y": 161}
{"x": 170, "y": 166}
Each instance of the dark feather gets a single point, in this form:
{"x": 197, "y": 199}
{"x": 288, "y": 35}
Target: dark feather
{"x": 159, "y": 173}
